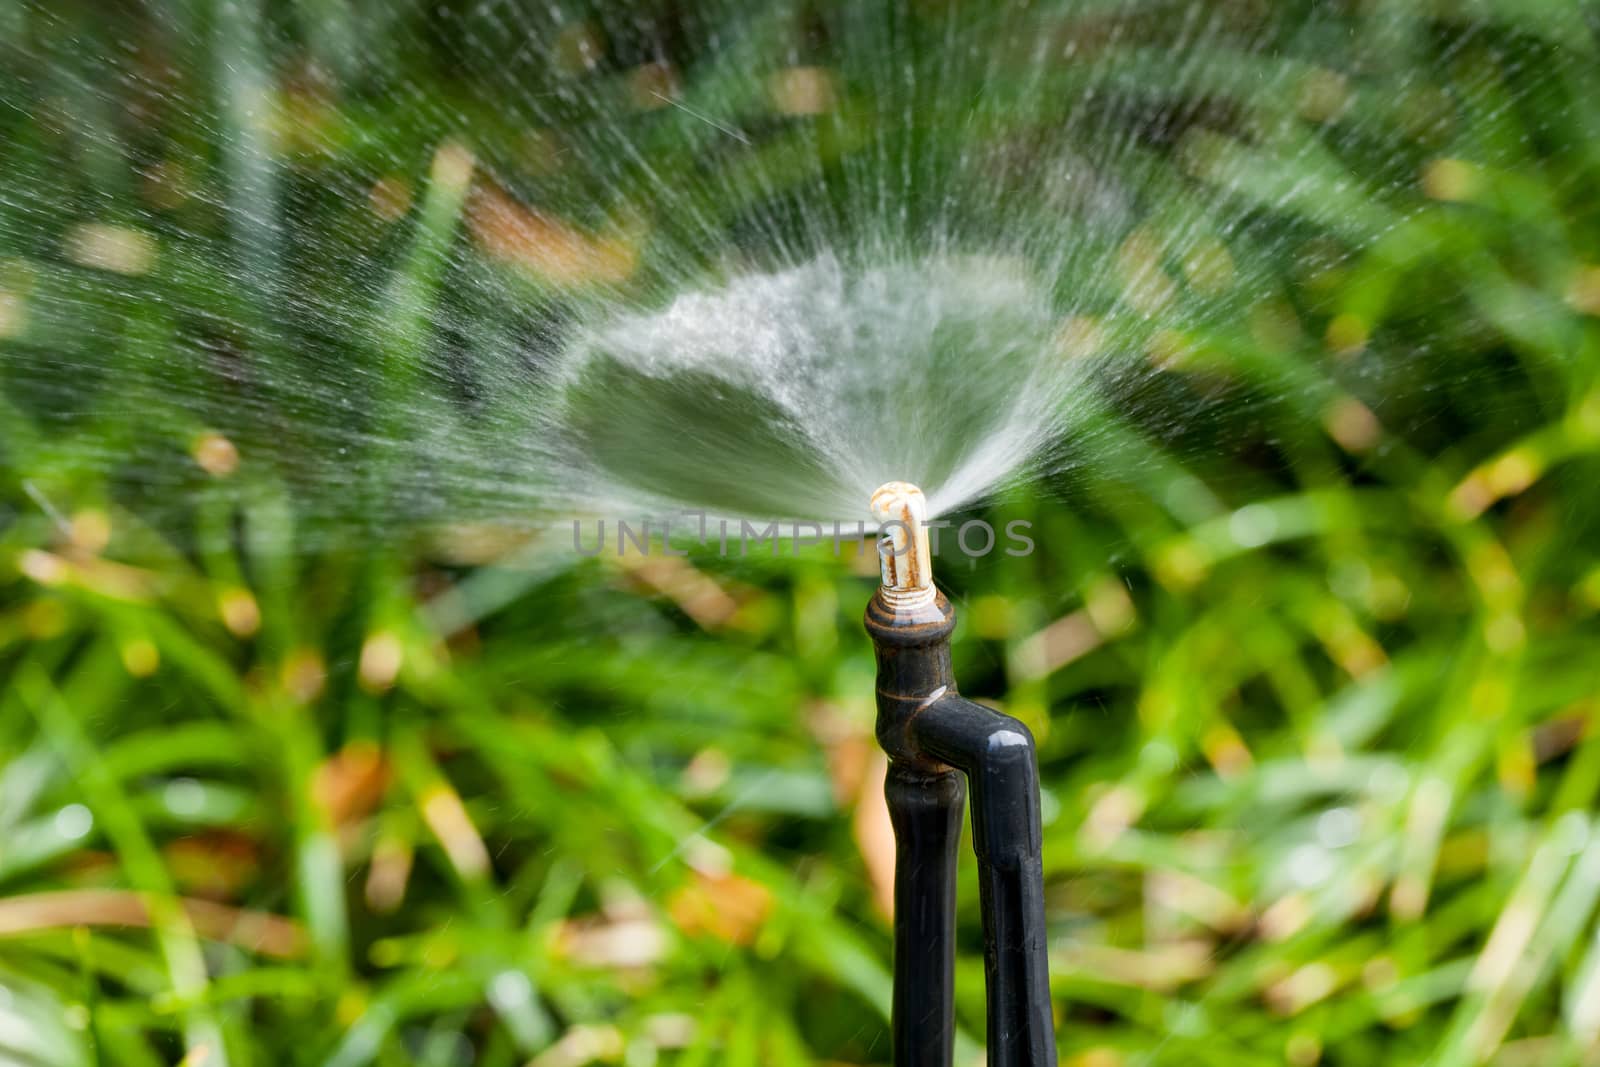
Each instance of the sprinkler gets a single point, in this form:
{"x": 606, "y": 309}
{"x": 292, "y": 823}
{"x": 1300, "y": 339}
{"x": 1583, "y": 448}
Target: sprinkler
{"x": 938, "y": 742}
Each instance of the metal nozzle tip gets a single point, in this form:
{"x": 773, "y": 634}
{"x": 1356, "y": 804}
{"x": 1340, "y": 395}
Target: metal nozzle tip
{"x": 891, "y": 500}
{"x": 905, "y": 561}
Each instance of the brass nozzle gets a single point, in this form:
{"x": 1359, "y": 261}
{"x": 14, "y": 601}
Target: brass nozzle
{"x": 905, "y": 561}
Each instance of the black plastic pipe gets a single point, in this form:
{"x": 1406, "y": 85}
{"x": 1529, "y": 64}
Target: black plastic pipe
{"x": 926, "y": 812}
{"x": 997, "y": 754}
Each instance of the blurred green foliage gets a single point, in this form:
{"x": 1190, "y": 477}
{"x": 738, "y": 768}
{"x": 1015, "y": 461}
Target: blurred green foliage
{"x": 1305, "y": 640}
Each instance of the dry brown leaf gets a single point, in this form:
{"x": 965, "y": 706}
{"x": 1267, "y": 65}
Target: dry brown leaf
{"x": 728, "y": 907}
{"x": 696, "y": 593}
{"x": 257, "y": 931}
{"x": 512, "y": 233}
{"x": 348, "y": 785}
{"x": 875, "y": 834}
{"x": 216, "y": 865}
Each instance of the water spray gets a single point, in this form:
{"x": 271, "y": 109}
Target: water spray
{"x": 938, "y": 741}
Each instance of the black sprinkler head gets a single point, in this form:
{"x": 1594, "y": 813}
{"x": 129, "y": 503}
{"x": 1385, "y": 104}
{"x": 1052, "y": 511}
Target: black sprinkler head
{"x": 937, "y": 742}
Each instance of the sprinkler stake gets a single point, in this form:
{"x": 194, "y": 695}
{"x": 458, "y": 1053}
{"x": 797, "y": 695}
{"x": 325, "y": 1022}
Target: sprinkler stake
{"x": 937, "y": 742}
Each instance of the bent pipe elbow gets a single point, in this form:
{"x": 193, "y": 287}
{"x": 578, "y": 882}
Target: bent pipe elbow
{"x": 997, "y": 754}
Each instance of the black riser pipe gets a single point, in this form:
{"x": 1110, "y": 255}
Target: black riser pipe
{"x": 925, "y": 810}
{"x": 997, "y": 754}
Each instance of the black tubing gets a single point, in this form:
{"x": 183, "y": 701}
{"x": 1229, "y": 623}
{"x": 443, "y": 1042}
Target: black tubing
{"x": 997, "y": 753}
{"x": 926, "y": 812}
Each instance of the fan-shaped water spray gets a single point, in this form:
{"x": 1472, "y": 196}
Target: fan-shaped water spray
{"x": 793, "y": 394}
{"x": 751, "y": 259}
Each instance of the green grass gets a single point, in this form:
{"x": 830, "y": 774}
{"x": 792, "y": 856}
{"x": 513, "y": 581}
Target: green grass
{"x": 1311, "y": 666}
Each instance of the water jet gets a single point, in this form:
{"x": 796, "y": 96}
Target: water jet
{"x": 938, "y": 743}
